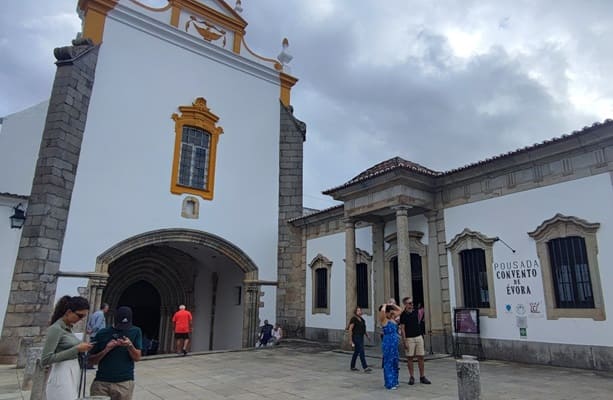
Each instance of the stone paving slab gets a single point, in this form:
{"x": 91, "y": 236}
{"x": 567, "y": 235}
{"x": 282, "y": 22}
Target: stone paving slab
{"x": 287, "y": 373}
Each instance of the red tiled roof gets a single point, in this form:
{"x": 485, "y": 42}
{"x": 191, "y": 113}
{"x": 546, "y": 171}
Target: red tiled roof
{"x": 400, "y": 163}
{"x": 387, "y": 166}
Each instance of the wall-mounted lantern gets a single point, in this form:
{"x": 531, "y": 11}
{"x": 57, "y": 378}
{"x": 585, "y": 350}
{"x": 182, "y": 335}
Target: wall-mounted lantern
{"x": 19, "y": 217}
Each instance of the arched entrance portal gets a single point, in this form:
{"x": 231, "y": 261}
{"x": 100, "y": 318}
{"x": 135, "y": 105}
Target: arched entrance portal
{"x": 145, "y": 302}
{"x": 157, "y": 271}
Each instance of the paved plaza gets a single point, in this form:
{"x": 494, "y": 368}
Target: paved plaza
{"x": 307, "y": 371}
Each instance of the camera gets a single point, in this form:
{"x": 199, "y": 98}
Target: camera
{"x": 117, "y": 336}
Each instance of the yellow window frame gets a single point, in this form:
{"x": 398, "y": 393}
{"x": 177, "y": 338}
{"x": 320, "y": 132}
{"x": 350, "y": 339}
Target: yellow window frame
{"x": 199, "y": 116}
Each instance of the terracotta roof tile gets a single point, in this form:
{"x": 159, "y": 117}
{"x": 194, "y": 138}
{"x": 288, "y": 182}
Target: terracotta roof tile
{"x": 400, "y": 163}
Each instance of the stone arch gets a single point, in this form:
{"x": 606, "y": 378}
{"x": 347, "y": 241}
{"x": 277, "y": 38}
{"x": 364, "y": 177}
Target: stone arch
{"x": 177, "y": 235}
{"x": 151, "y": 257}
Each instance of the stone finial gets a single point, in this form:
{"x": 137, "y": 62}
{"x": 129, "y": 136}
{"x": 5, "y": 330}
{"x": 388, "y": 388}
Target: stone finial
{"x": 238, "y": 7}
{"x": 284, "y": 57}
{"x": 79, "y": 46}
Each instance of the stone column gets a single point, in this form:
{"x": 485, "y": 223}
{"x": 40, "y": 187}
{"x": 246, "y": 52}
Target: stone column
{"x": 469, "y": 384}
{"x": 32, "y": 294}
{"x": 351, "y": 297}
{"x": 435, "y": 308}
{"x": 378, "y": 260}
{"x": 405, "y": 281}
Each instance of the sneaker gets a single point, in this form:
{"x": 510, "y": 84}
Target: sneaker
{"x": 411, "y": 381}
{"x": 424, "y": 380}
{"x": 394, "y": 388}
{"x": 354, "y": 369}
{"x": 184, "y": 352}
{"x": 368, "y": 370}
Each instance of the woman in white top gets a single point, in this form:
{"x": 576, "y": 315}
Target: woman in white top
{"x": 277, "y": 334}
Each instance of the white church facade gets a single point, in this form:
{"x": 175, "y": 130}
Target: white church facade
{"x": 166, "y": 169}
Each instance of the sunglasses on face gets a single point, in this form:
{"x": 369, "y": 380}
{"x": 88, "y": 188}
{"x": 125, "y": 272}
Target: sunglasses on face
{"x": 81, "y": 316}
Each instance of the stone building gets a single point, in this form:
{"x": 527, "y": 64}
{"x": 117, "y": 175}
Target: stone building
{"x": 166, "y": 169}
{"x": 521, "y": 238}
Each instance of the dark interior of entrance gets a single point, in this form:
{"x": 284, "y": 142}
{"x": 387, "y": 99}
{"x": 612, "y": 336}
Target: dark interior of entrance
{"x": 145, "y": 302}
{"x": 416, "y": 276}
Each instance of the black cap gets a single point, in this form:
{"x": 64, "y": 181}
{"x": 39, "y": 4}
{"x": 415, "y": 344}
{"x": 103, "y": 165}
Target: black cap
{"x": 123, "y": 318}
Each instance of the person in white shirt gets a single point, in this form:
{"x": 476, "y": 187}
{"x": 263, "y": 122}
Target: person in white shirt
{"x": 277, "y": 334}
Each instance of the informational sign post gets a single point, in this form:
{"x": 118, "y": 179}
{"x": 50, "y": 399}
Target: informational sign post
{"x": 466, "y": 320}
{"x": 467, "y": 331}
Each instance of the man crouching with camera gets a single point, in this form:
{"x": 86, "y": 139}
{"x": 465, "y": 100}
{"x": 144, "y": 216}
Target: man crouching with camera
{"x": 115, "y": 351}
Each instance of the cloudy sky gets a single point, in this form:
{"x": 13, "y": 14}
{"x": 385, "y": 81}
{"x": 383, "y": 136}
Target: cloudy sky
{"x": 441, "y": 83}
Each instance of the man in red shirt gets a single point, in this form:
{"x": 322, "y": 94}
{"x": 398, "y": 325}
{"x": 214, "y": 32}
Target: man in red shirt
{"x": 183, "y": 327}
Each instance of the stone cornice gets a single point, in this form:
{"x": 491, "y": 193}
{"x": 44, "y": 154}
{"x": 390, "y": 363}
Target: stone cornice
{"x": 468, "y": 234}
{"x": 563, "y": 219}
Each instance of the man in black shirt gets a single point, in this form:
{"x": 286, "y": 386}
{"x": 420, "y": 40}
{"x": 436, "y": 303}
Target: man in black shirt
{"x": 410, "y": 326}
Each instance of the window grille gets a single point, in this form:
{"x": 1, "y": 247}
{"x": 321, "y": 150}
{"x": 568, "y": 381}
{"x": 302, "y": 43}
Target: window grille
{"x": 570, "y": 272}
{"x": 474, "y": 278}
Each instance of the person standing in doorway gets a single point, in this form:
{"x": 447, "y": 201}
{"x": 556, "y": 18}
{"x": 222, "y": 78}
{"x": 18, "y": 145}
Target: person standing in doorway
{"x": 116, "y": 350}
{"x": 182, "y": 321}
{"x": 410, "y": 326}
{"x": 357, "y": 331}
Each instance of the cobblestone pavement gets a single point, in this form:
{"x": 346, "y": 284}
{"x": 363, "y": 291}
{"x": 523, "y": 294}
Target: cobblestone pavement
{"x": 317, "y": 372}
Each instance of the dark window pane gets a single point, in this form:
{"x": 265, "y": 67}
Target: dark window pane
{"x": 570, "y": 271}
{"x": 361, "y": 271}
{"x": 418, "y": 280}
{"x": 395, "y": 286}
{"x": 321, "y": 288}
{"x": 474, "y": 278}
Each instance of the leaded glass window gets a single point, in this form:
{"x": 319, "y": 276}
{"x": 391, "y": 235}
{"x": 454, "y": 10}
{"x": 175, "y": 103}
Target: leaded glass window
{"x": 194, "y": 162}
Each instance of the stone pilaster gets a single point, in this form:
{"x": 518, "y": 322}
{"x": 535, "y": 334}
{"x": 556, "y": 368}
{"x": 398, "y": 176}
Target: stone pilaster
{"x": 435, "y": 301}
{"x": 378, "y": 259}
{"x": 251, "y": 319}
{"x": 405, "y": 282}
{"x": 351, "y": 297}
{"x": 38, "y": 260}
{"x": 291, "y": 264}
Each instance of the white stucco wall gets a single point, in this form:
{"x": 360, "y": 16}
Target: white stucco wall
{"x": 122, "y": 185}
{"x": 333, "y": 248}
{"x": 20, "y": 136}
{"x": 510, "y": 218}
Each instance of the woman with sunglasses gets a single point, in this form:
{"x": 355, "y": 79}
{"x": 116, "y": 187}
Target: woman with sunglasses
{"x": 62, "y": 348}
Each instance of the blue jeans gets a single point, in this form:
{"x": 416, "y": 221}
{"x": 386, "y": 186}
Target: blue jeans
{"x": 358, "y": 350}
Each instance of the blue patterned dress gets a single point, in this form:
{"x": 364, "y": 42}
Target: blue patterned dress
{"x": 389, "y": 348}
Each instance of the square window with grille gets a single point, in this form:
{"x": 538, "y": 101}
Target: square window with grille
{"x": 321, "y": 288}
{"x": 474, "y": 278}
{"x": 361, "y": 272}
{"x": 194, "y": 165}
{"x": 570, "y": 272}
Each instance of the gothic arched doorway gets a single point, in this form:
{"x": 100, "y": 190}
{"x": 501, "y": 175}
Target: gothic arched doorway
{"x": 163, "y": 269}
{"x": 145, "y": 302}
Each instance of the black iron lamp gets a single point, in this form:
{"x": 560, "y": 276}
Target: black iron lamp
{"x": 19, "y": 217}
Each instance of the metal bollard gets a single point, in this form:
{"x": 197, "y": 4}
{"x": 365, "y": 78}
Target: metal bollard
{"x": 469, "y": 384}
